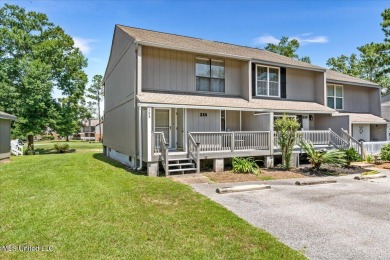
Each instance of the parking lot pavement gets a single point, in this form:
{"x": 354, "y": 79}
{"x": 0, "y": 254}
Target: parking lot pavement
{"x": 349, "y": 219}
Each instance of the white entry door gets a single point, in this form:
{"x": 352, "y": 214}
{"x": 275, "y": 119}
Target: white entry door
{"x": 162, "y": 119}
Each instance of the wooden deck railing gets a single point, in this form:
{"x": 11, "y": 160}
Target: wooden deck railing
{"x": 317, "y": 137}
{"x": 225, "y": 142}
{"x": 352, "y": 142}
{"x": 193, "y": 151}
{"x": 157, "y": 140}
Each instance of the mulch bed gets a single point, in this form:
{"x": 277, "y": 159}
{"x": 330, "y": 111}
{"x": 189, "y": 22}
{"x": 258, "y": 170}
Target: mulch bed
{"x": 385, "y": 165}
{"x": 278, "y": 174}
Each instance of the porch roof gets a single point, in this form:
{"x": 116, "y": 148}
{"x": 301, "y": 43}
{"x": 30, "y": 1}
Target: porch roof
{"x": 361, "y": 118}
{"x": 4, "y": 115}
{"x": 229, "y": 103}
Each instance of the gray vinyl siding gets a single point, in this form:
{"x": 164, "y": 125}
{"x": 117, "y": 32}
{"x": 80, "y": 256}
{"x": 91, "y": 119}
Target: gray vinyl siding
{"x": 232, "y": 120}
{"x": 300, "y": 84}
{"x": 120, "y": 115}
{"x": 356, "y": 99}
{"x": 260, "y": 122}
{"x": 169, "y": 70}
{"x": 209, "y": 123}
{"x": 246, "y": 82}
{"x": 375, "y": 101}
{"x": 320, "y": 88}
{"x": 5, "y": 138}
{"x": 385, "y": 112}
{"x": 324, "y": 122}
{"x": 378, "y": 132}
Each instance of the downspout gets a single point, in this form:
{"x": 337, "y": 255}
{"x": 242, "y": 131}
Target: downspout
{"x": 138, "y": 49}
{"x": 139, "y": 138}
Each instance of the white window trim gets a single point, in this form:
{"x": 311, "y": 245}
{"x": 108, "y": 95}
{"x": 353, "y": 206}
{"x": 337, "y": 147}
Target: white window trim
{"x": 224, "y": 74}
{"x": 334, "y": 96}
{"x": 268, "y": 67}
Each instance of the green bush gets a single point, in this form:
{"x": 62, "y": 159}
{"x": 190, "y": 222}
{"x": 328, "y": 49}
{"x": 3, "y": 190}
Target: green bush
{"x": 245, "y": 165}
{"x": 47, "y": 138}
{"x": 351, "y": 155}
{"x": 370, "y": 158}
{"x": 61, "y": 148}
{"x": 317, "y": 158}
{"x": 385, "y": 152}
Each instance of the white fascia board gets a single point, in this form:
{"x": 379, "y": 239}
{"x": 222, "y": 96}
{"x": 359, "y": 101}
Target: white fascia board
{"x": 265, "y": 110}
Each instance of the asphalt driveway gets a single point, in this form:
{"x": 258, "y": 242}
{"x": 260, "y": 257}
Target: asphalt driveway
{"x": 349, "y": 219}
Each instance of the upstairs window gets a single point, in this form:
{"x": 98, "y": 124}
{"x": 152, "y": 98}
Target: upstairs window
{"x": 267, "y": 81}
{"x": 335, "y": 96}
{"x": 210, "y": 75}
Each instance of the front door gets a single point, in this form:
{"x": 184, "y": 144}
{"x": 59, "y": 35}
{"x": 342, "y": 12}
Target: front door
{"x": 162, "y": 123}
{"x": 180, "y": 128}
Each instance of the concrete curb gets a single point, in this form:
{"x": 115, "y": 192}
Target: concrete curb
{"x": 368, "y": 177}
{"x": 242, "y": 188}
{"x": 302, "y": 183}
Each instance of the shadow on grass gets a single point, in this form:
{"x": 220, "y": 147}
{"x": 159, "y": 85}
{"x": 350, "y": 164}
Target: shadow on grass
{"x": 42, "y": 151}
{"x": 101, "y": 157}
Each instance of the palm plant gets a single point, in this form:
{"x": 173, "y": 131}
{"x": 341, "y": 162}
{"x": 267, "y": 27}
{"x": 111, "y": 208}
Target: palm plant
{"x": 317, "y": 158}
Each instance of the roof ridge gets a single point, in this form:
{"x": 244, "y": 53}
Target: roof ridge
{"x": 225, "y": 43}
{"x": 197, "y": 38}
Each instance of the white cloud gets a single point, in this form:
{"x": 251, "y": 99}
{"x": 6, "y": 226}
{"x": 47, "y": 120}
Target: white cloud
{"x": 266, "y": 39}
{"x": 303, "y": 39}
{"x": 83, "y": 44}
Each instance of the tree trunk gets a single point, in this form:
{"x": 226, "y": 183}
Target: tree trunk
{"x": 67, "y": 138}
{"x": 30, "y": 142}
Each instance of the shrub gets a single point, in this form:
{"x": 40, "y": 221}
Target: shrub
{"x": 351, "y": 155}
{"x": 47, "y": 137}
{"x": 370, "y": 173}
{"x": 245, "y": 165}
{"x": 286, "y": 129}
{"x": 61, "y": 148}
{"x": 370, "y": 158}
{"x": 385, "y": 152}
{"x": 317, "y": 158}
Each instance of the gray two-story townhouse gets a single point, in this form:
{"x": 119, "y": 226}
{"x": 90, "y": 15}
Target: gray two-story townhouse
{"x": 177, "y": 100}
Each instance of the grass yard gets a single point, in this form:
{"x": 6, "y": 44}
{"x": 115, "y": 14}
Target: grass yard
{"x": 88, "y": 207}
{"x": 46, "y": 147}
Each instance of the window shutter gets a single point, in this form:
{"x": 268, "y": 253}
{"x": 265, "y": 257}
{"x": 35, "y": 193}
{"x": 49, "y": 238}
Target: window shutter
{"x": 253, "y": 79}
{"x": 283, "y": 91}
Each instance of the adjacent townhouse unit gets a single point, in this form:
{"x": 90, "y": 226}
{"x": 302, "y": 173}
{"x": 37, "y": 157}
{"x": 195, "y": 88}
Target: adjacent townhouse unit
{"x": 176, "y": 100}
{"x": 91, "y": 130}
{"x": 5, "y": 135}
{"x": 385, "y": 109}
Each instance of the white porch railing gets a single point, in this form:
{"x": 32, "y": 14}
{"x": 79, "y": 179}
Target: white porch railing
{"x": 193, "y": 151}
{"x": 226, "y": 142}
{"x": 352, "y": 142}
{"x": 158, "y": 136}
{"x": 16, "y": 148}
{"x": 373, "y": 148}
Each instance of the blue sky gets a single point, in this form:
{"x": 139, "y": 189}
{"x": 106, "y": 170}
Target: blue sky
{"x": 324, "y": 28}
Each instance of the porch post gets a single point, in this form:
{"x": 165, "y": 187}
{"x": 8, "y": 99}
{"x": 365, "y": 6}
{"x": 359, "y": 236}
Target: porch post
{"x": 149, "y": 133}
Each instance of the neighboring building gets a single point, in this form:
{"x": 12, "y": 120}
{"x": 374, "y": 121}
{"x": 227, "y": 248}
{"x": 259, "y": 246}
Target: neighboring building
{"x": 212, "y": 100}
{"x": 88, "y": 131}
{"x": 385, "y": 106}
{"x": 5, "y": 135}
{"x": 99, "y": 132}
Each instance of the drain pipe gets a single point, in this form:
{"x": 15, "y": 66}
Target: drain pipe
{"x": 139, "y": 139}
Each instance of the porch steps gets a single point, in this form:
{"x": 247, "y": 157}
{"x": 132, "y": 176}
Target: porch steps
{"x": 180, "y": 165}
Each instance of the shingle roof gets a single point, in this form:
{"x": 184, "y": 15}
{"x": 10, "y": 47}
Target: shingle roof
{"x": 363, "y": 118}
{"x": 201, "y": 45}
{"x": 7, "y": 116}
{"x": 232, "y": 102}
{"x": 337, "y": 76}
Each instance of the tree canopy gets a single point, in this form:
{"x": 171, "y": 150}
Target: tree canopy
{"x": 36, "y": 57}
{"x": 373, "y": 61}
{"x": 287, "y": 48}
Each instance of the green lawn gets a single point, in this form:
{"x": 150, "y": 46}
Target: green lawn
{"x": 45, "y": 147}
{"x": 89, "y": 207}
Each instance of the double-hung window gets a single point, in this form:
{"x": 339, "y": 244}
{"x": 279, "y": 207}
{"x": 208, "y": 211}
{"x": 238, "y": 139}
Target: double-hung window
{"x": 267, "y": 81}
{"x": 210, "y": 75}
{"x": 335, "y": 96}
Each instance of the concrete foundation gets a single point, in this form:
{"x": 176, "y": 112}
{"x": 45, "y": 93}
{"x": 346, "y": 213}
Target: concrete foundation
{"x": 269, "y": 161}
{"x": 218, "y": 165}
{"x": 152, "y": 169}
